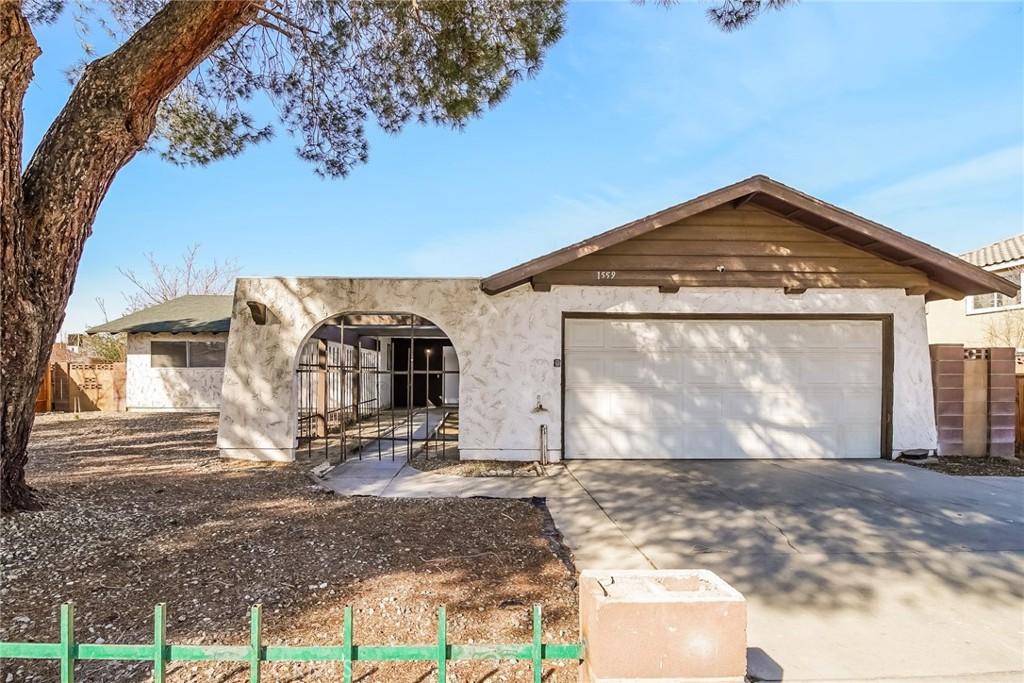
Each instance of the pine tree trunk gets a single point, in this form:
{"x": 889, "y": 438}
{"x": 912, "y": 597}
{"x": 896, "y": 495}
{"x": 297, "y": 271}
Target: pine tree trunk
{"x": 20, "y": 372}
{"x": 49, "y": 210}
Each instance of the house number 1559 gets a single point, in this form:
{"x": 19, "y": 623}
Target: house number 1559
{"x": 606, "y": 275}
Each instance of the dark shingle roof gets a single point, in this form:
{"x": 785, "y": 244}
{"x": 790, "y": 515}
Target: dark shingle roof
{"x": 1010, "y": 249}
{"x": 191, "y": 313}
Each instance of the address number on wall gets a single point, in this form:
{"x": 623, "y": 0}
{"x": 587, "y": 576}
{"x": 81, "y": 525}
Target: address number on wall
{"x": 606, "y": 275}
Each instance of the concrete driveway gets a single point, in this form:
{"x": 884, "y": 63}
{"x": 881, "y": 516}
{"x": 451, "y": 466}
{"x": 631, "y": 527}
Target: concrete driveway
{"x": 854, "y": 571}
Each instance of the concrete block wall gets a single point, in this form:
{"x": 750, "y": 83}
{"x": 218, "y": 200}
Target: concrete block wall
{"x": 975, "y": 400}
{"x": 948, "y": 385}
{"x": 975, "y": 365}
{"x": 1002, "y": 402}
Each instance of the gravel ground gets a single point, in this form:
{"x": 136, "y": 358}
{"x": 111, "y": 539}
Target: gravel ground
{"x": 142, "y": 511}
{"x": 963, "y": 466}
{"x": 446, "y": 460}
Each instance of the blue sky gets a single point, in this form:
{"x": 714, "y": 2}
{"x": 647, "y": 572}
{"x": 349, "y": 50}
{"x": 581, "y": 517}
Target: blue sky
{"x": 910, "y": 114}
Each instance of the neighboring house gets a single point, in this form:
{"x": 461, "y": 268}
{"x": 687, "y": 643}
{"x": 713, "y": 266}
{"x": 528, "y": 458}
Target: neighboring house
{"x": 62, "y": 352}
{"x": 176, "y": 349}
{"x": 988, "y": 318}
{"x": 751, "y": 322}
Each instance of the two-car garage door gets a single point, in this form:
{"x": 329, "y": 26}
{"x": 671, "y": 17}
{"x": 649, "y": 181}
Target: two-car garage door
{"x": 704, "y": 388}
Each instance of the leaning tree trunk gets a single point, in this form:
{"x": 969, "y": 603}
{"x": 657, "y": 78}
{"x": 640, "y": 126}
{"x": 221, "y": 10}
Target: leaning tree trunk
{"x": 49, "y": 210}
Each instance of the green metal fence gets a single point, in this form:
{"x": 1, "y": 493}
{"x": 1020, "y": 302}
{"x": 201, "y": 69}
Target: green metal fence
{"x": 160, "y": 652}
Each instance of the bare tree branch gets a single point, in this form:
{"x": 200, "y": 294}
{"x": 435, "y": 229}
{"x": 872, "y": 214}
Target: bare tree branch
{"x": 165, "y": 282}
{"x": 1006, "y": 329}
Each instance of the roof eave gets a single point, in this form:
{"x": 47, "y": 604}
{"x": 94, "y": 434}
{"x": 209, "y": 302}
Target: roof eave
{"x": 957, "y": 278}
{"x": 521, "y": 274}
{"x": 136, "y": 330}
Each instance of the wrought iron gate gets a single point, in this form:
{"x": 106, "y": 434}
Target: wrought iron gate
{"x": 346, "y": 397}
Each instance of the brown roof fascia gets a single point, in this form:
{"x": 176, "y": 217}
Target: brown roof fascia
{"x": 517, "y": 275}
{"x": 952, "y": 276}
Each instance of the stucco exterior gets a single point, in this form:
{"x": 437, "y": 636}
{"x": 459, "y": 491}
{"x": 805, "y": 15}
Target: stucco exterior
{"x": 957, "y": 322}
{"x": 150, "y": 388}
{"x": 507, "y": 344}
{"x": 950, "y": 323}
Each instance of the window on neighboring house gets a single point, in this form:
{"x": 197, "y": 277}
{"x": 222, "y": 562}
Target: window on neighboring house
{"x": 206, "y": 354}
{"x": 168, "y": 354}
{"x": 180, "y": 354}
{"x": 982, "y": 303}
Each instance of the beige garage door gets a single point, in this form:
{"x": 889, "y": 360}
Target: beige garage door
{"x": 723, "y": 388}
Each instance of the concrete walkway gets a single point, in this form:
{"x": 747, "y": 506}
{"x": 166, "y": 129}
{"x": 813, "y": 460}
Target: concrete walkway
{"x": 853, "y": 571}
{"x": 396, "y": 441}
{"x": 595, "y": 540}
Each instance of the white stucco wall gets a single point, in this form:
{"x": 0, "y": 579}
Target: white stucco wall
{"x": 507, "y": 345}
{"x": 150, "y": 388}
{"x": 950, "y": 323}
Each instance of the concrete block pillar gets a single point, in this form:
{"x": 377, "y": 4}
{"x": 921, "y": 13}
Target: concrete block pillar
{"x": 647, "y": 625}
{"x": 976, "y": 367}
{"x": 1002, "y": 402}
{"x": 948, "y": 385}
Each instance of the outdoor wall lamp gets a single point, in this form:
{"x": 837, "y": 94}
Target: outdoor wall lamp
{"x": 261, "y": 315}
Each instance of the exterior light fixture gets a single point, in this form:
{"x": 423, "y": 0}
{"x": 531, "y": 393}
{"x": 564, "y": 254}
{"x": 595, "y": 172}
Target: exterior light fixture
{"x": 261, "y": 315}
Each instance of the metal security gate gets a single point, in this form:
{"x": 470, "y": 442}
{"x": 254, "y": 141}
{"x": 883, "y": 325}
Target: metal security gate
{"x": 347, "y": 394}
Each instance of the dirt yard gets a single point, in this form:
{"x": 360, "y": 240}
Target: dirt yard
{"x": 141, "y": 510}
{"x": 442, "y": 456}
{"x": 446, "y": 461}
{"x": 963, "y": 466}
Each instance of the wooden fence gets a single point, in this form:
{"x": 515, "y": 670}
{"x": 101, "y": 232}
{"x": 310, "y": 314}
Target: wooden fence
{"x": 44, "y": 397}
{"x": 82, "y": 387}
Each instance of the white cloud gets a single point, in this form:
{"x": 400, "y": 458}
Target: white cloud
{"x": 559, "y": 222}
{"x": 714, "y": 86}
{"x": 487, "y": 250}
{"x": 950, "y": 184}
{"x": 958, "y": 206}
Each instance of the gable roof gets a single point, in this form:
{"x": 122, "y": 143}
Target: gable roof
{"x": 949, "y": 276}
{"x": 1003, "y": 251}
{"x": 191, "y": 313}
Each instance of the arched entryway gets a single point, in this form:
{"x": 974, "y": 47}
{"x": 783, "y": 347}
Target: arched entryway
{"x": 376, "y": 385}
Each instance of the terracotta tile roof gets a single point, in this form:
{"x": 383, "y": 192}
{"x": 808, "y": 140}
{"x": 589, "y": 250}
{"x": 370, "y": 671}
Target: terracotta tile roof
{"x": 1010, "y": 249}
{"x": 60, "y": 353}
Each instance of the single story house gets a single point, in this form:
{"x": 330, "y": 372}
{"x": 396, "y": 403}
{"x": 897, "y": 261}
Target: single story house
{"x": 175, "y": 353}
{"x": 754, "y": 321}
{"x": 989, "y": 318}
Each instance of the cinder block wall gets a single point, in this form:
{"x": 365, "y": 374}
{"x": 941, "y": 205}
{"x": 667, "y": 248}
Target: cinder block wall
{"x": 975, "y": 400}
{"x": 948, "y": 385}
{"x": 1002, "y": 402}
{"x": 976, "y": 435}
